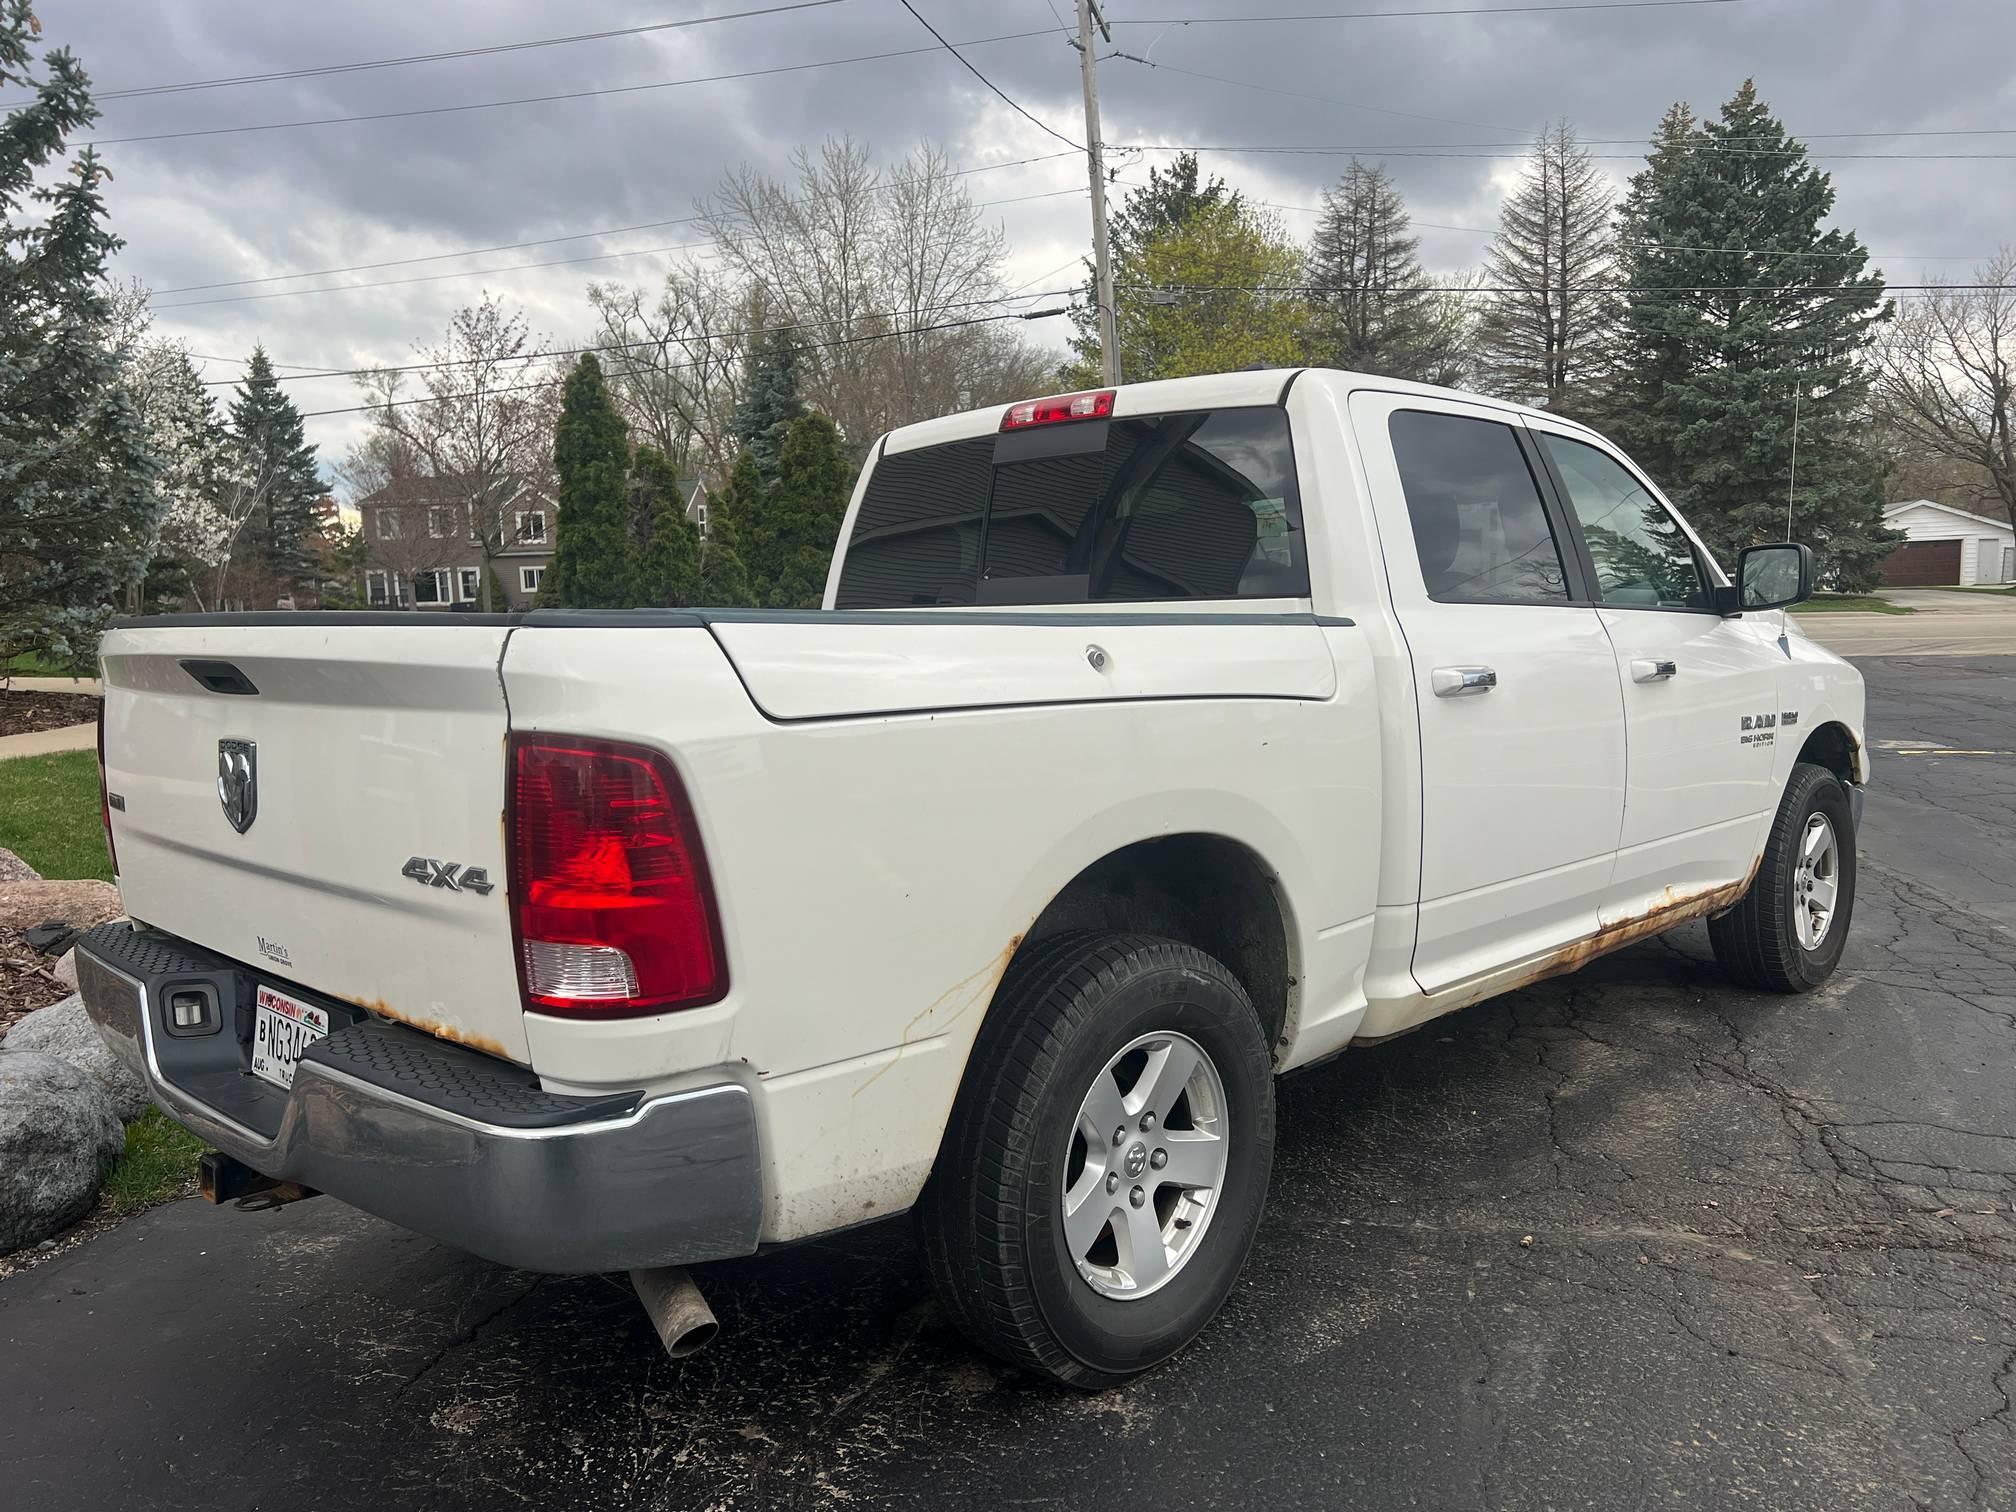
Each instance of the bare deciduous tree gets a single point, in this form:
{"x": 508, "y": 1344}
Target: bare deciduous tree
{"x": 1946, "y": 378}
{"x": 672, "y": 362}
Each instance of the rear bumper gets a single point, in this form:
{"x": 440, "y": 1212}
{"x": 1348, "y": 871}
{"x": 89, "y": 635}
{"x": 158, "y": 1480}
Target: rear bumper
{"x": 440, "y": 1139}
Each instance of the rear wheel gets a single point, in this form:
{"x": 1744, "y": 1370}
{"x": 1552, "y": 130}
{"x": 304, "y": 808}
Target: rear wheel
{"x": 1107, "y": 1161}
{"x": 1788, "y": 932}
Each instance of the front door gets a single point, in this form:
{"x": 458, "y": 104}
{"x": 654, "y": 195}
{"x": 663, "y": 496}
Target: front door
{"x": 1700, "y": 692}
{"x": 1521, "y": 719}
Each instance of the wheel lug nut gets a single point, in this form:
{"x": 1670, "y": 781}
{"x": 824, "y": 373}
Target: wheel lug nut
{"x": 1120, "y": 1136}
{"x": 1137, "y": 1197}
{"x": 1112, "y": 1181}
{"x": 1159, "y": 1159}
{"x": 1147, "y": 1122}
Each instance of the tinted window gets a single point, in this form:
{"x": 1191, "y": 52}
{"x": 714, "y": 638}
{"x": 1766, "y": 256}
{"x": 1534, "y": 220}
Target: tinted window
{"x": 917, "y": 538}
{"x": 1641, "y": 554}
{"x": 1479, "y": 526}
{"x": 1184, "y": 506}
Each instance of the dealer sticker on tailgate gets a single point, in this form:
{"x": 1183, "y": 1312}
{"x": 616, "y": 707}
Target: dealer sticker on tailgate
{"x": 282, "y": 1032}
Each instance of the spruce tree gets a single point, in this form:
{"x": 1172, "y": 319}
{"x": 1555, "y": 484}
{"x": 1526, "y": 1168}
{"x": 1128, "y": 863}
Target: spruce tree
{"x": 1738, "y": 304}
{"x": 1548, "y": 331}
{"x": 813, "y": 482}
{"x": 770, "y": 400}
{"x": 276, "y": 465}
{"x": 591, "y": 454}
{"x": 724, "y": 578}
{"x": 78, "y": 505}
{"x": 667, "y": 565}
{"x": 1373, "y": 307}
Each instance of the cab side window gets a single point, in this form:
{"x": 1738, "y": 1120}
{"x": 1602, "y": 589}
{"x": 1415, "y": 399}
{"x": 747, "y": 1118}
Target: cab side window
{"x": 1479, "y": 525}
{"x": 1642, "y": 555}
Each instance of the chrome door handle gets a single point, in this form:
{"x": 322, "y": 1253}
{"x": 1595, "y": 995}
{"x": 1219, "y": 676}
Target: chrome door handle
{"x": 1645, "y": 670}
{"x": 1461, "y": 682}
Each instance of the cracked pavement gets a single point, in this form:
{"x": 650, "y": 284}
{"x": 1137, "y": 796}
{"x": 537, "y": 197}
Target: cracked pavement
{"x": 1624, "y": 1238}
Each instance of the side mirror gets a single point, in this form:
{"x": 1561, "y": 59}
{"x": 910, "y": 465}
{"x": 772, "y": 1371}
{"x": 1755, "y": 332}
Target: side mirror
{"x": 1769, "y": 577}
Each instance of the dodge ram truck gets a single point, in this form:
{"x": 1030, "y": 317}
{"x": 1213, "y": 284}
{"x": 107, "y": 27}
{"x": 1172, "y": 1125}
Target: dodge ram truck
{"x": 1151, "y": 742}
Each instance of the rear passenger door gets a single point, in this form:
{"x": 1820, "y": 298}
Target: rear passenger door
{"x": 1700, "y": 691}
{"x": 1522, "y": 722}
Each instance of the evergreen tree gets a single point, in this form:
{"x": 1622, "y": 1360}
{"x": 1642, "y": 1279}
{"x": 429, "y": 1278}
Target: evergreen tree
{"x": 272, "y": 458}
{"x": 770, "y": 401}
{"x": 1150, "y": 213}
{"x": 591, "y": 453}
{"x": 813, "y": 482}
{"x": 668, "y": 560}
{"x": 1548, "y": 332}
{"x": 724, "y": 579}
{"x": 1374, "y": 309}
{"x": 1737, "y": 306}
{"x": 78, "y": 505}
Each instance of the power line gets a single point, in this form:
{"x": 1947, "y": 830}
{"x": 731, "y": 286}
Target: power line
{"x": 575, "y": 94}
{"x": 1618, "y": 288}
{"x": 400, "y": 262}
{"x": 945, "y": 325}
{"x": 996, "y": 88}
{"x": 1498, "y": 151}
{"x": 554, "y": 262}
{"x": 1386, "y": 15}
{"x": 139, "y": 91}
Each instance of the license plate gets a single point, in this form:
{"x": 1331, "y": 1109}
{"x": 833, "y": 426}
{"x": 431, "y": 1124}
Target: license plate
{"x": 282, "y": 1031}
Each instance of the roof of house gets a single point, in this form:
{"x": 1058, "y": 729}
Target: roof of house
{"x": 441, "y": 488}
{"x": 1896, "y": 509}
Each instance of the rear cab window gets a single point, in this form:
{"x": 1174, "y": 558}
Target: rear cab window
{"x": 1192, "y": 505}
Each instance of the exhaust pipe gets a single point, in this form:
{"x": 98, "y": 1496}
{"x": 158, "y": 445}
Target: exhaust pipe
{"x": 684, "y": 1321}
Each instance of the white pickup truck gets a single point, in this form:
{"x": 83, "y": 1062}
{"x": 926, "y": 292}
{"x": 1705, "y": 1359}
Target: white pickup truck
{"x": 1152, "y": 742}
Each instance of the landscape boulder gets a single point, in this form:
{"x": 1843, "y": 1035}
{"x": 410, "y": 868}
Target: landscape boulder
{"x": 14, "y": 869}
{"x": 58, "y": 1133}
{"x": 81, "y": 905}
{"x": 65, "y": 1031}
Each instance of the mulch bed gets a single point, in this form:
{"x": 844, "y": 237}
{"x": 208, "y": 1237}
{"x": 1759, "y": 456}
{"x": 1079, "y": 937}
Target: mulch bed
{"x": 22, "y": 712}
{"x": 24, "y": 983}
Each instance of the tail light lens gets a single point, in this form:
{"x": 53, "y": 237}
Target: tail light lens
{"x": 104, "y": 790}
{"x": 1094, "y": 404}
{"x": 612, "y": 906}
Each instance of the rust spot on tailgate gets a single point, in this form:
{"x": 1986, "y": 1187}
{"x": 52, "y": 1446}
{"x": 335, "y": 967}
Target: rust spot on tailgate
{"x": 439, "y": 1028}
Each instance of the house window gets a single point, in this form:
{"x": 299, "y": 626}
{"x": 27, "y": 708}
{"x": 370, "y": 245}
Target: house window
{"x": 470, "y": 586}
{"x": 377, "y": 592}
{"x": 388, "y": 524}
{"x": 431, "y": 587}
{"x": 529, "y": 579}
{"x": 532, "y": 527}
{"x": 441, "y": 521}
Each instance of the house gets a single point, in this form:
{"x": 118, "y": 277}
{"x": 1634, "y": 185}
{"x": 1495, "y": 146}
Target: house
{"x": 424, "y": 540}
{"x": 694, "y": 492}
{"x": 1948, "y": 546}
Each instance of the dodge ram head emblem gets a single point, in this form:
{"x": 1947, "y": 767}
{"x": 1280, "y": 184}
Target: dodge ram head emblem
{"x": 238, "y": 782}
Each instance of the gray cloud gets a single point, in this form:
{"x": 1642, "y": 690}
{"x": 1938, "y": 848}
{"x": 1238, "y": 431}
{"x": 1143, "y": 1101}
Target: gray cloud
{"x": 203, "y": 209}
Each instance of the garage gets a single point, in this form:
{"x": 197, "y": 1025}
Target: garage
{"x": 1922, "y": 564}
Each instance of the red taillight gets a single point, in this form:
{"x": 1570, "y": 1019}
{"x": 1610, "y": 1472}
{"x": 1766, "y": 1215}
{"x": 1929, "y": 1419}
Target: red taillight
{"x": 104, "y": 791}
{"x": 612, "y": 906}
{"x": 1096, "y": 404}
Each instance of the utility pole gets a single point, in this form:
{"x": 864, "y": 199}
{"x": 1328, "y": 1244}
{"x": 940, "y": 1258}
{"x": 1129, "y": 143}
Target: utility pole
{"x": 1095, "y": 170}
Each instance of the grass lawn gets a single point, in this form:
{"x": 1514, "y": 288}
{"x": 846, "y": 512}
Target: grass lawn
{"x": 2006, "y": 592}
{"x": 159, "y": 1164}
{"x": 1850, "y": 603}
{"x": 49, "y": 815}
{"x": 28, "y": 664}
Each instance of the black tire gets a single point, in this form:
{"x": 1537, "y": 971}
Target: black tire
{"x": 1757, "y": 941}
{"x": 991, "y": 1216}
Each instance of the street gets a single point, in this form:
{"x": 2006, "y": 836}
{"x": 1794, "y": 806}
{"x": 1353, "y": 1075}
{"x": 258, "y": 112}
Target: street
{"x": 1627, "y": 1238}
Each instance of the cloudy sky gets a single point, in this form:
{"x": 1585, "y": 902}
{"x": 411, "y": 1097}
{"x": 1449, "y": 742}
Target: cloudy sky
{"x": 1911, "y": 104}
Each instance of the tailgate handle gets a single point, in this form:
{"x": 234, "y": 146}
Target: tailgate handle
{"x": 219, "y": 676}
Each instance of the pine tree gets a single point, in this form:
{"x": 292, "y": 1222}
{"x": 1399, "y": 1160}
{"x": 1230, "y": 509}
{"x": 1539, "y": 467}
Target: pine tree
{"x": 724, "y": 579}
{"x": 591, "y": 453}
{"x": 1150, "y": 213}
{"x": 1374, "y": 308}
{"x": 273, "y": 461}
{"x": 1548, "y": 331}
{"x": 78, "y": 505}
{"x": 770, "y": 400}
{"x": 813, "y": 482}
{"x": 667, "y": 574}
{"x": 1737, "y": 306}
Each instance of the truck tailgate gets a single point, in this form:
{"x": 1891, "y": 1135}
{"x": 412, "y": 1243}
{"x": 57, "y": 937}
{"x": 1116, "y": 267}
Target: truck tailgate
{"x": 367, "y": 745}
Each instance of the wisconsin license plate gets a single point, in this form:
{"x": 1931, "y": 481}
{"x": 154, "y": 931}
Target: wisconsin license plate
{"x": 282, "y": 1031}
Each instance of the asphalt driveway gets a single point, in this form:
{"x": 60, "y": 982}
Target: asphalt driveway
{"x": 1629, "y": 1238}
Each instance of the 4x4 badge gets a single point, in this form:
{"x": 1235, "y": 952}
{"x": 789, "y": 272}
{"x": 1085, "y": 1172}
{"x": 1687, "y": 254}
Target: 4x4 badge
{"x": 449, "y": 874}
{"x": 238, "y": 782}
